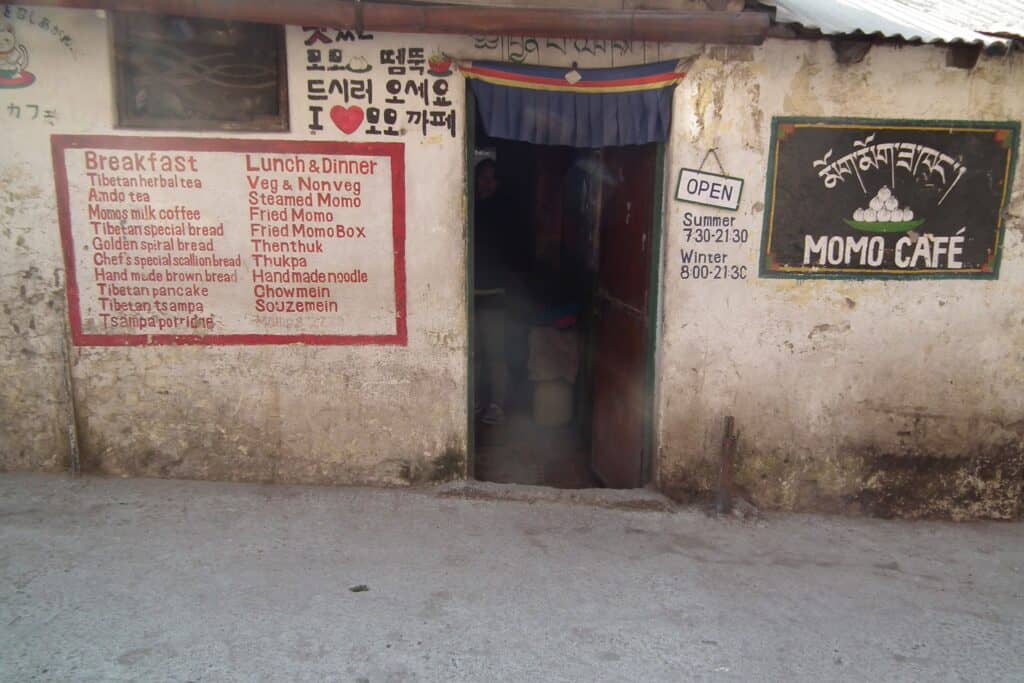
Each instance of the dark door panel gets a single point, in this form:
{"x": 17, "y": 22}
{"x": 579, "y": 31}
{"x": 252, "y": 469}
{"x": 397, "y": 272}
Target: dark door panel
{"x": 620, "y": 308}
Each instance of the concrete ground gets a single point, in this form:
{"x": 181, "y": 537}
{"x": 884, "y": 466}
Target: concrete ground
{"x": 517, "y": 451}
{"x": 191, "y": 581}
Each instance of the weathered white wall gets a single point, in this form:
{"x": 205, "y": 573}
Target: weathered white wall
{"x": 834, "y": 384}
{"x": 849, "y": 394}
{"x": 281, "y": 413}
{"x": 367, "y": 414}
{"x": 33, "y": 402}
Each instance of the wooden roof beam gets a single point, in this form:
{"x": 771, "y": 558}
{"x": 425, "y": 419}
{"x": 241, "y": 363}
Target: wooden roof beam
{"x": 737, "y": 28}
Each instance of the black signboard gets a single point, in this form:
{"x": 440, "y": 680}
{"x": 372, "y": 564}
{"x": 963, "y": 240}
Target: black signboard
{"x": 886, "y": 199}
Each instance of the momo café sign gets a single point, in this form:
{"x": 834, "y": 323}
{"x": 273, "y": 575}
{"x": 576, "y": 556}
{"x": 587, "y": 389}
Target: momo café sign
{"x": 887, "y": 199}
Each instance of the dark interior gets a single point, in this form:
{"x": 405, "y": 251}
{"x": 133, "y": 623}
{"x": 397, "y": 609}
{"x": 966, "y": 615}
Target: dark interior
{"x": 538, "y": 240}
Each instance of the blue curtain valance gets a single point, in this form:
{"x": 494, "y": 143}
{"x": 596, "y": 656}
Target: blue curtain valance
{"x": 575, "y": 107}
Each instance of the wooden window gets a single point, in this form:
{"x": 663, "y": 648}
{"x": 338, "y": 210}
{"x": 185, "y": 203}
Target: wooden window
{"x": 180, "y": 73}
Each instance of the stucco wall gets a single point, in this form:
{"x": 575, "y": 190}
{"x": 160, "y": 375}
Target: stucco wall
{"x": 328, "y": 414}
{"x": 887, "y": 396}
{"x": 851, "y": 395}
{"x": 324, "y": 414}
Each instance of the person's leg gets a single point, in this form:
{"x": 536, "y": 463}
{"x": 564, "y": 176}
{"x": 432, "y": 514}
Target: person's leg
{"x": 479, "y": 388}
{"x": 491, "y": 322}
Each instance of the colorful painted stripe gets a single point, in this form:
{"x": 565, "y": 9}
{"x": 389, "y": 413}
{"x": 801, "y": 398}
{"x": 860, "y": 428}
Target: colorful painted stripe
{"x": 623, "y": 79}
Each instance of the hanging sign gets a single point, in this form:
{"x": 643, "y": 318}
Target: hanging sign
{"x": 887, "y": 199}
{"x": 697, "y": 186}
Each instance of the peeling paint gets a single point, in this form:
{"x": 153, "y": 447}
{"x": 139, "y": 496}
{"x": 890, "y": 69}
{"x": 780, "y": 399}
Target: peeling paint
{"x": 859, "y": 397}
{"x": 338, "y": 415}
{"x": 856, "y": 397}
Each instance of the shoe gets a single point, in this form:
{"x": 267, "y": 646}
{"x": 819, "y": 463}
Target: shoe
{"x": 493, "y": 415}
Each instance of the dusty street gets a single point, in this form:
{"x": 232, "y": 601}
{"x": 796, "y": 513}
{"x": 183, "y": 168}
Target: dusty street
{"x": 190, "y": 581}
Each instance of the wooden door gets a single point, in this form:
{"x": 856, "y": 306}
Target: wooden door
{"x": 620, "y": 315}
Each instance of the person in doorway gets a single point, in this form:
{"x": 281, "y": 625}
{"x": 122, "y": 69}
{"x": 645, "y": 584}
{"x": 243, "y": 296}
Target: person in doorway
{"x": 490, "y": 280}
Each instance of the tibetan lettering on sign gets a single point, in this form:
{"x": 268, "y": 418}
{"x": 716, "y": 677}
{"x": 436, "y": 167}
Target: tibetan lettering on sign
{"x": 214, "y": 241}
{"x": 887, "y": 199}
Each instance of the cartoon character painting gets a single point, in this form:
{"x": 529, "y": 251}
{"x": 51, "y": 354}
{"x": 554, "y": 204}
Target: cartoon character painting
{"x": 13, "y": 60}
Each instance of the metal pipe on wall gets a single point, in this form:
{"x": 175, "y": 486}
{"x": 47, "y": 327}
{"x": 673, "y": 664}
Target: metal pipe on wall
{"x": 745, "y": 28}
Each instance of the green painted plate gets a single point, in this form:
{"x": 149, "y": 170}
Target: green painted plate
{"x": 884, "y": 226}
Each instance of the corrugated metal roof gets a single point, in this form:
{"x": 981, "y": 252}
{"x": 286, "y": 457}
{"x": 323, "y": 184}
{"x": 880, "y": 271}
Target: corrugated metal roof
{"x": 930, "y": 21}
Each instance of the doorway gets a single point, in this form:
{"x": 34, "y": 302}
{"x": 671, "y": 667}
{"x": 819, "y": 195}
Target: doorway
{"x": 564, "y": 245}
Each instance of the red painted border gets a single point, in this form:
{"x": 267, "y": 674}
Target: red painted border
{"x": 395, "y": 151}
{"x": 562, "y": 84}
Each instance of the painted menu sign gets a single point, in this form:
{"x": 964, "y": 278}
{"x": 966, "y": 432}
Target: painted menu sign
{"x": 887, "y": 199}
{"x": 215, "y": 241}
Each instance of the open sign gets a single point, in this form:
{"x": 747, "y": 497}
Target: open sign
{"x": 710, "y": 189}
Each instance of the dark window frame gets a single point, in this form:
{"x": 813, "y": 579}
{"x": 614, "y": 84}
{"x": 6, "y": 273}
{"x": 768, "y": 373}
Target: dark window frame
{"x": 126, "y": 118}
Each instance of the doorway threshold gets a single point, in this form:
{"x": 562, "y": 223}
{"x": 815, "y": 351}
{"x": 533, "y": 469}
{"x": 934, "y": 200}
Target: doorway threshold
{"x": 623, "y": 499}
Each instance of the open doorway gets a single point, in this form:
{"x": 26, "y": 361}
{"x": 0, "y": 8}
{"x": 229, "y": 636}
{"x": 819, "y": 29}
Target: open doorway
{"x": 564, "y": 244}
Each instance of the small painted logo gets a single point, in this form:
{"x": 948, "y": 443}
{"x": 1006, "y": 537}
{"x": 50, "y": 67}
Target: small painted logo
{"x": 884, "y": 214}
{"x": 440, "y": 65}
{"x": 347, "y": 119}
{"x": 13, "y": 60}
{"x": 358, "y": 65}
